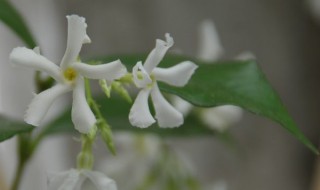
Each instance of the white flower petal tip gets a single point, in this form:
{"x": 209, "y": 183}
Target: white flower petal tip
{"x": 140, "y": 76}
{"x": 169, "y": 40}
{"x": 77, "y": 36}
{"x": 140, "y": 115}
{"x": 76, "y": 18}
{"x": 37, "y": 50}
{"x": 166, "y": 115}
{"x": 86, "y": 40}
{"x": 82, "y": 116}
{"x": 178, "y": 75}
{"x": 210, "y": 47}
{"x": 164, "y": 45}
{"x": 41, "y": 103}
{"x": 116, "y": 70}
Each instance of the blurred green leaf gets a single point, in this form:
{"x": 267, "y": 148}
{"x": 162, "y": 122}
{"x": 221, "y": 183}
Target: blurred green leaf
{"x": 239, "y": 83}
{"x": 11, "y": 17}
{"x": 10, "y": 127}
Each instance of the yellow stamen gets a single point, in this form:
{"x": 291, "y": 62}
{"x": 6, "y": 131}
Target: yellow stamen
{"x": 70, "y": 74}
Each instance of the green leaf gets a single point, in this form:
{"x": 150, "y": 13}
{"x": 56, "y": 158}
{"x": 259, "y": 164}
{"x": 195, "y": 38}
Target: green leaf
{"x": 239, "y": 83}
{"x": 10, "y": 127}
{"x": 11, "y": 17}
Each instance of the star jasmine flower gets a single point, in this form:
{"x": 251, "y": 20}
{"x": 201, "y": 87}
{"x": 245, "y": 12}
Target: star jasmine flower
{"x": 69, "y": 76}
{"x": 74, "y": 179}
{"x": 146, "y": 77}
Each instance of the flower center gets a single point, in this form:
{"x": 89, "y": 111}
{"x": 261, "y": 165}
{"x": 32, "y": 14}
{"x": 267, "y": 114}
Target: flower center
{"x": 70, "y": 74}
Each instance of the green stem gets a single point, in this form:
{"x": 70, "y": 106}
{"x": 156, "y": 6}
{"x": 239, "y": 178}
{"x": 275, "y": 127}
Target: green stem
{"x": 18, "y": 175}
{"x": 24, "y": 156}
{"x": 102, "y": 124}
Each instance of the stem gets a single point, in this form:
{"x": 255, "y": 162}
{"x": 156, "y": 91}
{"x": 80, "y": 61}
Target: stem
{"x": 101, "y": 123}
{"x": 18, "y": 175}
{"x": 24, "y": 155}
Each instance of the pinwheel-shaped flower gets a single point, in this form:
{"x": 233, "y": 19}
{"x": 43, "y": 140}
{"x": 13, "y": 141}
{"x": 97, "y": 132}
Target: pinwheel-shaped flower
{"x": 69, "y": 76}
{"x": 73, "y": 180}
{"x": 146, "y": 77}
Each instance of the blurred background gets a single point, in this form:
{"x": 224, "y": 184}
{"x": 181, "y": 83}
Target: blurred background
{"x": 284, "y": 36}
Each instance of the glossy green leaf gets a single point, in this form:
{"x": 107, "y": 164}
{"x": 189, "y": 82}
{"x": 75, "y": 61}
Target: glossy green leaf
{"x": 11, "y": 17}
{"x": 239, "y": 83}
{"x": 10, "y": 127}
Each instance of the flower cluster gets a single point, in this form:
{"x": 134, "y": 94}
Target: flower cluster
{"x": 72, "y": 75}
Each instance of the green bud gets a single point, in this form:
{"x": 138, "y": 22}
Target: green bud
{"x": 105, "y": 88}
{"x": 117, "y": 86}
{"x": 85, "y": 160}
{"x": 106, "y": 135}
{"x": 126, "y": 79}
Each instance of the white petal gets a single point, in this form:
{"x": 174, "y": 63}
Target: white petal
{"x": 37, "y": 50}
{"x": 86, "y": 40}
{"x": 210, "y": 47}
{"x": 222, "y": 117}
{"x": 177, "y": 75}
{"x": 140, "y": 115}
{"x": 181, "y": 105}
{"x": 82, "y": 116}
{"x": 166, "y": 114}
{"x": 25, "y": 57}
{"x": 77, "y": 35}
{"x": 145, "y": 78}
{"x": 42, "y": 102}
{"x": 64, "y": 181}
{"x": 100, "y": 180}
{"x": 108, "y": 71}
{"x": 157, "y": 54}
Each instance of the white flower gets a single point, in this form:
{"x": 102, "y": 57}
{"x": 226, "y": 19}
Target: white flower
{"x": 73, "y": 180}
{"x": 69, "y": 76}
{"x": 146, "y": 77}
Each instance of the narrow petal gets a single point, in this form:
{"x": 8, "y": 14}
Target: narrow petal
{"x": 222, "y": 117}
{"x": 100, "y": 180}
{"x": 108, "y": 71}
{"x": 157, "y": 54}
{"x": 210, "y": 48}
{"x": 140, "y": 76}
{"x": 177, "y": 75}
{"x": 42, "y": 102}
{"x": 166, "y": 114}
{"x": 82, "y": 116}
{"x": 140, "y": 115}
{"x": 25, "y": 57}
{"x": 77, "y": 35}
{"x": 64, "y": 181}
